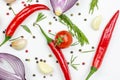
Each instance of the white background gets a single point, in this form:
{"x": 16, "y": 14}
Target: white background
{"x": 109, "y": 70}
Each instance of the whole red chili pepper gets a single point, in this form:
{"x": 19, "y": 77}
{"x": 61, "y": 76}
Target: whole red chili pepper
{"x": 20, "y": 17}
{"x": 58, "y": 54}
{"x": 103, "y": 44}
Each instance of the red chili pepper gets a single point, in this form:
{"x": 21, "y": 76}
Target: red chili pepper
{"x": 20, "y": 17}
{"x": 58, "y": 54}
{"x": 103, "y": 44}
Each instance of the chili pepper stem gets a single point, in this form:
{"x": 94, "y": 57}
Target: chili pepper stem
{"x": 92, "y": 71}
{"x": 5, "y": 40}
{"x": 45, "y": 35}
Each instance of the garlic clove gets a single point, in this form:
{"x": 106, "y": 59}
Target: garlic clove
{"x": 96, "y": 22}
{"x": 10, "y": 1}
{"x": 45, "y": 68}
{"x": 19, "y": 44}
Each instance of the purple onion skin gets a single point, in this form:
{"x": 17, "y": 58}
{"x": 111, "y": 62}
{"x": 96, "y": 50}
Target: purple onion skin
{"x": 17, "y": 66}
{"x": 61, "y": 6}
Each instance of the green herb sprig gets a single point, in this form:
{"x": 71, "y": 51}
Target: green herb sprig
{"x": 75, "y": 31}
{"x": 93, "y": 4}
{"x": 25, "y": 27}
{"x": 72, "y": 62}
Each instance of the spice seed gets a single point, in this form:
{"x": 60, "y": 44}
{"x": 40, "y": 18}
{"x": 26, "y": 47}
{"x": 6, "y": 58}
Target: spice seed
{"x": 77, "y": 4}
{"x": 50, "y": 23}
{"x": 37, "y": 61}
{"x": 27, "y": 59}
{"x": 50, "y": 55}
{"x": 56, "y": 61}
{"x": 71, "y": 52}
{"x": 44, "y": 76}
{"x": 51, "y": 75}
{"x": 36, "y": 58}
{"x": 79, "y": 13}
{"x": 85, "y": 19}
{"x": 80, "y": 50}
{"x": 44, "y": 61}
{"x": 33, "y": 37}
{"x": 93, "y": 47}
{"x": 34, "y": 75}
{"x": 71, "y": 14}
{"x": 41, "y": 60}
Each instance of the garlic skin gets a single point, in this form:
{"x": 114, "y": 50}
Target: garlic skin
{"x": 45, "y": 68}
{"x": 96, "y": 22}
{"x": 19, "y": 44}
{"x": 10, "y": 1}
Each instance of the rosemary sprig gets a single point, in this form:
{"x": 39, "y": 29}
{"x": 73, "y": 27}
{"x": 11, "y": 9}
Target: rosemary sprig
{"x": 40, "y": 17}
{"x": 87, "y": 51}
{"x": 82, "y": 39}
{"x": 93, "y": 4}
{"x": 72, "y": 62}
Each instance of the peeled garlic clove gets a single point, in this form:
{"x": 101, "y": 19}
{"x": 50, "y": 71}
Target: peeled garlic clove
{"x": 45, "y": 68}
{"x": 96, "y": 22}
{"x": 19, "y": 44}
{"x": 10, "y": 1}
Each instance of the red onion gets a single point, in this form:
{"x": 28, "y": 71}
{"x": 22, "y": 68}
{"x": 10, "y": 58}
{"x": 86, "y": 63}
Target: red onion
{"x": 61, "y": 6}
{"x": 17, "y": 66}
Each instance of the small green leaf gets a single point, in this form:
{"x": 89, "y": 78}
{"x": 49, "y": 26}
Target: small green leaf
{"x": 25, "y": 27}
{"x": 40, "y": 17}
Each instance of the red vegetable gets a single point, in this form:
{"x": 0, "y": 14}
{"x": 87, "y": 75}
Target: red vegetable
{"x": 59, "y": 55}
{"x": 63, "y": 39}
{"x": 103, "y": 44}
{"x": 20, "y": 17}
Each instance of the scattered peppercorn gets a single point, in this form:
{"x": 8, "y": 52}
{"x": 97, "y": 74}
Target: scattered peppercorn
{"x": 68, "y": 63}
{"x": 3, "y": 32}
{"x": 83, "y": 63}
{"x": 33, "y": 75}
{"x": 10, "y": 45}
{"x": 37, "y": 61}
{"x": 41, "y": 60}
{"x": 51, "y": 75}
{"x": 85, "y": 19}
{"x": 71, "y": 52}
{"x": 7, "y": 4}
{"x": 33, "y": 37}
{"x": 27, "y": 59}
{"x": 71, "y": 14}
{"x": 26, "y": 51}
{"x": 80, "y": 50}
{"x": 79, "y": 13}
{"x": 10, "y": 8}
{"x": 22, "y": 36}
{"x": 44, "y": 61}
{"x": 36, "y": 58}
{"x": 50, "y": 55}
{"x": 44, "y": 76}
{"x": 77, "y": 4}
{"x": 93, "y": 47}
{"x": 50, "y": 23}
{"x": 56, "y": 61}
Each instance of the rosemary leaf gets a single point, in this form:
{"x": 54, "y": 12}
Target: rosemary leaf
{"x": 82, "y": 39}
{"x": 40, "y": 17}
{"x": 93, "y": 4}
{"x": 87, "y": 51}
{"x": 75, "y": 43}
{"x": 25, "y": 27}
{"x": 29, "y": 0}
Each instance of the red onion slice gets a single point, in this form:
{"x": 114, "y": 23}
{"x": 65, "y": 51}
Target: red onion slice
{"x": 61, "y": 6}
{"x": 17, "y": 66}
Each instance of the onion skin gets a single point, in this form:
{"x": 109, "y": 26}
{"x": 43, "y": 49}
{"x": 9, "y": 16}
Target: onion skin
{"x": 16, "y": 64}
{"x": 61, "y": 6}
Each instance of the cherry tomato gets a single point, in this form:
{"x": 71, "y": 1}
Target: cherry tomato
{"x": 63, "y": 39}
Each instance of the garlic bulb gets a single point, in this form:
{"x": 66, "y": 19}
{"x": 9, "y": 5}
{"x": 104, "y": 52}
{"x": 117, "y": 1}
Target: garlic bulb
{"x": 45, "y": 68}
{"x": 19, "y": 44}
{"x": 10, "y": 1}
{"x": 96, "y": 22}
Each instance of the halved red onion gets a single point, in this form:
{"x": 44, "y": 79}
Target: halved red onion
{"x": 17, "y": 66}
{"x": 61, "y": 6}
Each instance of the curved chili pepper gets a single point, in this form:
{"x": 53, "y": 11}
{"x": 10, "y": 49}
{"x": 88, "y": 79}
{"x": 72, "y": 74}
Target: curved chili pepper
{"x": 58, "y": 54}
{"x": 20, "y": 17}
{"x": 103, "y": 44}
